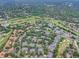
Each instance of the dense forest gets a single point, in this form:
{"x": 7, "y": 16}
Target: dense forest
{"x": 63, "y": 9}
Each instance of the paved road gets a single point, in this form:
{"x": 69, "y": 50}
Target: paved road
{"x": 54, "y": 44}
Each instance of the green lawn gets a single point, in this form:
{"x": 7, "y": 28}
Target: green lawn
{"x": 4, "y": 39}
{"x": 61, "y": 47}
{"x": 33, "y": 19}
{"x": 60, "y": 24}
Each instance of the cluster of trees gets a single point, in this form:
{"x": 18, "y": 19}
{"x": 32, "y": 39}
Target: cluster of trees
{"x": 37, "y": 38}
{"x": 58, "y": 12}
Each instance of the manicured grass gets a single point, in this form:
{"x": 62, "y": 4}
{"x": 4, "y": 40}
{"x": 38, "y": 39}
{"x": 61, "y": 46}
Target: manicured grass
{"x": 33, "y": 19}
{"x": 4, "y": 39}
{"x": 61, "y": 47}
{"x": 60, "y": 24}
